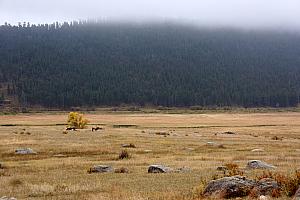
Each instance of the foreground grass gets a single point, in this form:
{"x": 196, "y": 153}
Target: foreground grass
{"x": 46, "y": 176}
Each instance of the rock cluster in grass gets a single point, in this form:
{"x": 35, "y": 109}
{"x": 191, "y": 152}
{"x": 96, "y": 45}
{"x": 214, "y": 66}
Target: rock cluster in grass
{"x": 107, "y": 169}
{"x": 165, "y": 169}
{"x": 239, "y": 186}
{"x": 101, "y": 169}
{"x": 24, "y": 151}
{"x": 257, "y": 164}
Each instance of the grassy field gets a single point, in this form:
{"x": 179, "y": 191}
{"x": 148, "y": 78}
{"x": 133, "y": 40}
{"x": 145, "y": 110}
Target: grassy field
{"x": 46, "y": 176}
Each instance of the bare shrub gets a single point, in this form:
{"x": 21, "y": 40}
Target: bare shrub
{"x": 124, "y": 155}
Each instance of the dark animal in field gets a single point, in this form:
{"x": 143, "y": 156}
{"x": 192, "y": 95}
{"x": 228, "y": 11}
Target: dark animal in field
{"x": 70, "y": 129}
{"x": 96, "y": 129}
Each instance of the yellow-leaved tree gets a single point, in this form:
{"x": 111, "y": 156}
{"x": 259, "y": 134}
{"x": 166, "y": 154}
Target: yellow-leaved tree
{"x": 77, "y": 120}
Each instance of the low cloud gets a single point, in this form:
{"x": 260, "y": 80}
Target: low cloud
{"x": 236, "y": 13}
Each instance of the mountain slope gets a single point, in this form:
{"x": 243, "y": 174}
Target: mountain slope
{"x": 159, "y": 64}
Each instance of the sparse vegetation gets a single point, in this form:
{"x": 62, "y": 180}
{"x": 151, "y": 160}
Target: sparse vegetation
{"x": 16, "y": 182}
{"x": 45, "y": 176}
{"x": 233, "y": 169}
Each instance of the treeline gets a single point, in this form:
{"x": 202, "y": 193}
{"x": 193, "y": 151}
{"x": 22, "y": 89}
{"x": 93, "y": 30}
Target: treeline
{"x": 97, "y": 63}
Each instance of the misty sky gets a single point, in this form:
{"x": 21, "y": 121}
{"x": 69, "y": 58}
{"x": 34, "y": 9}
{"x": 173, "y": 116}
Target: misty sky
{"x": 237, "y": 13}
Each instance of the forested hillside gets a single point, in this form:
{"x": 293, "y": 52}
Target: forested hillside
{"x": 94, "y": 64}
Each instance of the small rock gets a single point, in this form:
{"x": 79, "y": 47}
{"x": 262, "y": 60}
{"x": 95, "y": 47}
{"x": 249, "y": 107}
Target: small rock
{"x": 189, "y": 149}
{"x": 257, "y": 164}
{"x": 101, "y": 169}
{"x": 162, "y": 133}
{"x": 229, "y": 187}
{"x": 262, "y": 197}
{"x": 159, "y": 169}
{"x": 7, "y": 198}
{"x": 229, "y": 133}
{"x": 60, "y": 156}
{"x": 276, "y": 138}
{"x": 257, "y": 150}
{"x": 128, "y": 145}
{"x": 25, "y": 151}
{"x": 147, "y": 150}
{"x": 211, "y": 143}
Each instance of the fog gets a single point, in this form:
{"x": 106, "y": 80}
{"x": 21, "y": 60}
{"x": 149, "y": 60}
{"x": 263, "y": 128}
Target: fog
{"x": 284, "y": 14}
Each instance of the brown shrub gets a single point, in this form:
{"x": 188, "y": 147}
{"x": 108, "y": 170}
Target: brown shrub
{"x": 253, "y": 194}
{"x": 16, "y": 182}
{"x": 124, "y": 154}
{"x": 276, "y": 193}
{"x": 122, "y": 170}
{"x": 288, "y": 184}
{"x": 233, "y": 169}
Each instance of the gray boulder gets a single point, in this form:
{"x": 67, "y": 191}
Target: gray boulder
{"x": 24, "y": 151}
{"x": 265, "y": 186}
{"x": 229, "y": 187}
{"x": 257, "y": 164}
{"x": 101, "y": 169}
{"x": 159, "y": 169}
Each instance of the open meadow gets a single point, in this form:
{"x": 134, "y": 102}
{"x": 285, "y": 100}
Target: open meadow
{"x": 59, "y": 170}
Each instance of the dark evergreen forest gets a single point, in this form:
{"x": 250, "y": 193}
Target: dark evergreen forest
{"x": 166, "y": 64}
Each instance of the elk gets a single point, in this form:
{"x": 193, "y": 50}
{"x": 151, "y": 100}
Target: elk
{"x": 96, "y": 129}
{"x": 70, "y": 129}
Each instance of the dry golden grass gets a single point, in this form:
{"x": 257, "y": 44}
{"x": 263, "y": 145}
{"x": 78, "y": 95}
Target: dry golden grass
{"x": 59, "y": 170}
